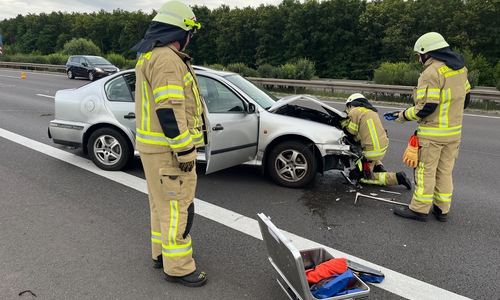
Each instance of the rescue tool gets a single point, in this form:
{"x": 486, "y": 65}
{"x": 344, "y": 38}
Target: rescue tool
{"x": 388, "y": 200}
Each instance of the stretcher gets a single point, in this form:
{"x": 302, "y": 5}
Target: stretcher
{"x": 289, "y": 262}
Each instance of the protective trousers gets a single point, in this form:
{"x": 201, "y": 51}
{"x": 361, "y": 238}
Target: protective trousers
{"x": 433, "y": 175}
{"x": 382, "y": 178}
{"x": 171, "y": 193}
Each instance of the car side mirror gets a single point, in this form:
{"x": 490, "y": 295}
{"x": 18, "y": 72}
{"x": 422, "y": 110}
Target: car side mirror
{"x": 84, "y": 64}
{"x": 251, "y": 108}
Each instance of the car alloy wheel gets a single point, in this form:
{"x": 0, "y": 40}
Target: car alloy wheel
{"x": 71, "y": 75}
{"x": 91, "y": 76}
{"x": 292, "y": 164}
{"x": 109, "y": 149}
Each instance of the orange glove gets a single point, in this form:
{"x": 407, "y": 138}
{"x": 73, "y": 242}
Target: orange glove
{"x": 410, "y": 157}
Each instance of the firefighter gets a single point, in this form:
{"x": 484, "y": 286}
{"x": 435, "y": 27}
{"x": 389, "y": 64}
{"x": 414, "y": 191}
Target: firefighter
{"x": 363, "y": 126}
{"x": 170, "y": 118}
{"x": 440, "y": 98}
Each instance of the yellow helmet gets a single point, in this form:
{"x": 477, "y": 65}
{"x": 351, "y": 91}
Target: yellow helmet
{"x": 429, "y": 42}
{"x": 178, "y": 14}
{"x": 354, "y": 97}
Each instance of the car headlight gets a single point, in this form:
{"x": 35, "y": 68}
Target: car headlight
{"x": 117, "y": 70}
{"x": 98, "y": 70}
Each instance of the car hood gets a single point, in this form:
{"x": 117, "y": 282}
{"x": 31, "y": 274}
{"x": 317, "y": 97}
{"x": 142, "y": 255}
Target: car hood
{"x": 302, "y": 100}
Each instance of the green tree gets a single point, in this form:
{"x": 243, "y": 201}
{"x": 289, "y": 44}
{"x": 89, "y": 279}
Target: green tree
{"x": 80, "y": 47}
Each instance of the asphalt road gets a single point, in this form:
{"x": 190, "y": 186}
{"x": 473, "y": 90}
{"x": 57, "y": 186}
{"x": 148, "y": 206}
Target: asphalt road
{"x": 72, "y": 231}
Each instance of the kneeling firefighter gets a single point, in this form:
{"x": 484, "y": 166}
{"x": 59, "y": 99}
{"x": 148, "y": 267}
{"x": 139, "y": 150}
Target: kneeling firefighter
{"x": 363, "y": 126}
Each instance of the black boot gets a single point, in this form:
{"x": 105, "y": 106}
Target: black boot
{"x": 406, "y": 212}
{"x": 158, "y": 262}
{"x": 403, "y": 180}
{"x": 436, "y": 211}
{"x": 197, "y": 278}
{"x": 379, "y": 169}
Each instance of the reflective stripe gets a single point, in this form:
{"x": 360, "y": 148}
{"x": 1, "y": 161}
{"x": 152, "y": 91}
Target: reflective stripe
{"x": 431, "y": 131}
{"x": 418, "y": 194}
{"x": 188, "y": 78}
{"x": 181, "y": 140}
{"x": 419, "y": 186}
{"x": 156, "y": 237}
{"x": 382, "y": 179}
{"x": 146, "y": 122}
{"x": 153, "y": 138}
{"x": 426, "y": 198}
{"x": 177, "y": 250}
{"x": 375, "y": 153}
{"x": 410, "y": 114}
{"x": 444, "y": 109}
{"x": 169, "y": 91}
{"x": 442, "y": 197}
{"x": 372, "y": 129}
{"x": 433, "y": 93}
{"x": 467, "y": 86}
{"x": 353, "y": 126}
{"x": 421, "y": 93}
{"x": 454, "y": 73}
{"x": 174, "y": 223}
{"x": 197, "y": 138}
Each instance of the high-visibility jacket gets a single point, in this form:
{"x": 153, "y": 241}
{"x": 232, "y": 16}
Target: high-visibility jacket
{"x": 365, "y": 124}
{"x": 447, "y": 88}
{"x": 169, "y": 108}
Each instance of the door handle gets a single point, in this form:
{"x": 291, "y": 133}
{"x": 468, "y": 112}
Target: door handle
{"x": 130, "y": 115}
{"x": 217, "y": 127}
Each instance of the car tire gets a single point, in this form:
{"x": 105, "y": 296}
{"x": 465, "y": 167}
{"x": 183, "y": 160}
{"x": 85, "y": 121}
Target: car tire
{"x": 109, "y": 149}
{"x": 71, "y": 75}
{"x": 91, "y": 76}
{"x": 292, "y": 164}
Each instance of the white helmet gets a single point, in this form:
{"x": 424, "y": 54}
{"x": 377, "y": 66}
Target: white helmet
{"x": 429, "y": 42}
{"x": 354, "y": 97}
{"x": 178, "y": 14}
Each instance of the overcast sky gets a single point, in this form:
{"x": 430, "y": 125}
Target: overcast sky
{"x": 11, "y": 8}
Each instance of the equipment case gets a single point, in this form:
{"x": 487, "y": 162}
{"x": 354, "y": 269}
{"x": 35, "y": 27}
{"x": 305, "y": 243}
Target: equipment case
{"x": 289, "y": 263}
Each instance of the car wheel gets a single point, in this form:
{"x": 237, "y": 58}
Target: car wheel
{"x": 292, "y": 164}
{"x": 109, "y": 149}
{"x": 91, "y": 76}
{"x": 71, "y": 75}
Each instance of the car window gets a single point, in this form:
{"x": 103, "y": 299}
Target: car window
{"x": 260, "y": 95}
{"x": 118, "y": 89}
{"x": 97, "y": 60}
{"x": 218, "y": 97}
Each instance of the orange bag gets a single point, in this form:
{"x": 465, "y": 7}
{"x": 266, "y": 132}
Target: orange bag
{"x": 410, "y": 157}
{"x": 326, "y": 269}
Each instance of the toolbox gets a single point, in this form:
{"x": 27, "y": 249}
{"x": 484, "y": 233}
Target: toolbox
{"x": 290, "y": 264}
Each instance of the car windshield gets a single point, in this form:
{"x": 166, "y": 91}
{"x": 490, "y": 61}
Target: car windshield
{"x": 97, "y": 60}
{"x": 260, "y": 95}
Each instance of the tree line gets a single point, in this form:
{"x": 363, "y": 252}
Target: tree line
{"x": 343, "y": 38}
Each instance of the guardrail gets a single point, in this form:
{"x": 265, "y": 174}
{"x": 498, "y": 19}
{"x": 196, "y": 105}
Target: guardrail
{"x": 332, "y": 85}
{"x": 32, "y": 66}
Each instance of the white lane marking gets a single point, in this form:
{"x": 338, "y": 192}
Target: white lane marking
{"x": 394, "y": 282}
{"x": 47, "y": 96}
{"x": 11, "y": 76}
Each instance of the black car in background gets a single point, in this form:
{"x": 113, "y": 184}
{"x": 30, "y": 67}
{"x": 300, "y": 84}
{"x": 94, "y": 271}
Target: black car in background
{"x": 91, "y": 67}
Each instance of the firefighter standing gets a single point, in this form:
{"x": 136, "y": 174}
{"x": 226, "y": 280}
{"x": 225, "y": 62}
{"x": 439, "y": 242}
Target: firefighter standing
{"x": 363, "y": 125}
{"x": 441, "y": 96}
{"x": 170, "y": 126}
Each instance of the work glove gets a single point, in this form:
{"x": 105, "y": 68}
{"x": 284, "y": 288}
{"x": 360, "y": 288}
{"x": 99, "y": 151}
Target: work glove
{"x": 410, "y": 157}
{"x": 187, "y": 166}
{"x": 344, "y": 123}
{"x": 394, "y": 115}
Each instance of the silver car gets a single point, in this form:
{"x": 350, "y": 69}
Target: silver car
{"x": 292, "y": 139}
